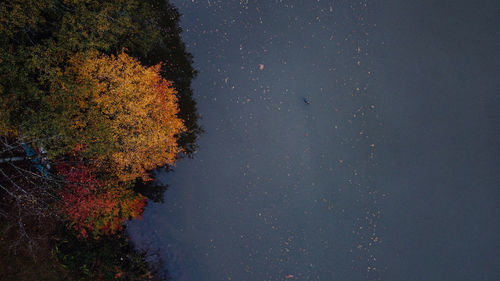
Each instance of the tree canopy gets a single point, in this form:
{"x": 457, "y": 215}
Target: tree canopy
{"x": 39, "y": 39}
{"x": 123, "y": 114}
{"x": 93, "y": 206}
{"x": 102, "y": 91}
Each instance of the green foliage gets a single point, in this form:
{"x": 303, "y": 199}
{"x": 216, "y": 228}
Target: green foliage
{"x": 38, "y": 38}
{"x": 57, "y": 92}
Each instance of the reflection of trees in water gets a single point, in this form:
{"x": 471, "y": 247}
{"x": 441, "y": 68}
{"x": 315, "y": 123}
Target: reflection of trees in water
{"x": 178, "y": 67}
{"x": 153, "y": 190}
{"x": 39, "y": 44}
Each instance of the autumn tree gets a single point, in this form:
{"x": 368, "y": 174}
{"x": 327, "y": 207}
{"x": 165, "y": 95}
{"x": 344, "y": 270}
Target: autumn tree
{"x": 94, "y": 207}
{"x": 67, "y": 86}
{"x": 126, "y": 114}
{"x": 38, "y": 38}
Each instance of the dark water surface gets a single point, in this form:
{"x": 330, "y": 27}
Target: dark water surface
{"x": 391, "y": 172}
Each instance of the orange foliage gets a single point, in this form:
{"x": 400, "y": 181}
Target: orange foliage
{"x": 127, "y": 113}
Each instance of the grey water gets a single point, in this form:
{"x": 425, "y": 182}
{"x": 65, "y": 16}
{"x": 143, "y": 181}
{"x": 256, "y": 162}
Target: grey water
{"x": 344, "y": 140}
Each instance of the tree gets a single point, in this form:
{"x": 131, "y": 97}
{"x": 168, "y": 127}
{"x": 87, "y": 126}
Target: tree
{"x": 67, "y": 86}
{"x": 123, "y": 115}
{"x": 26, "y": 197}
{"x": 94, "y": 207}
{"x": 38, "y": 38}
{"x": 126, "y": 114}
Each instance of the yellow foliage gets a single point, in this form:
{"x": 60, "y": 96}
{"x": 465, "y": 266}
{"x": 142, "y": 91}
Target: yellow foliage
{"x": 134, "y": 104}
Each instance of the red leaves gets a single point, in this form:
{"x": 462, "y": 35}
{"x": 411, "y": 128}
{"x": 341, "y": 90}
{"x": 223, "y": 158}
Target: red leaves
{"x": 94, "y": 207}
{"x": 124, "y": 117}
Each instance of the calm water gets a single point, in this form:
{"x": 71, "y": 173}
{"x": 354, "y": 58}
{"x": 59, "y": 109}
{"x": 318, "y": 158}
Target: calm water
{"x": 391, "y": 172}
